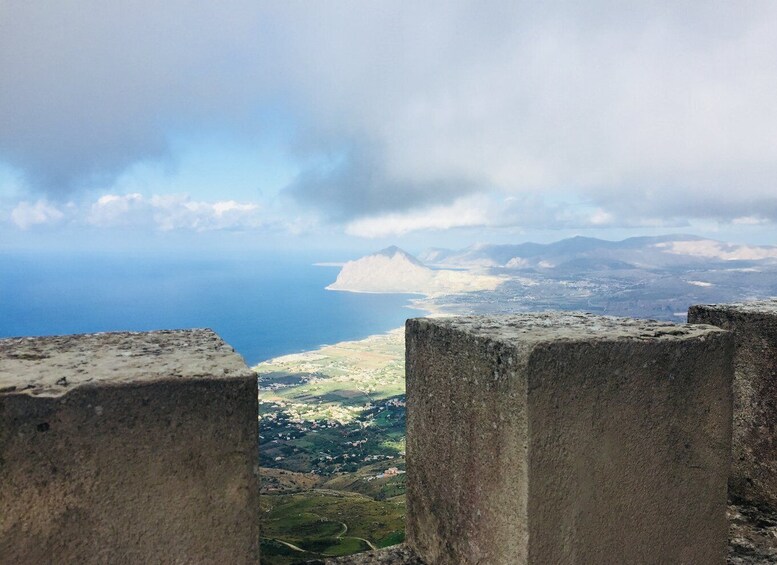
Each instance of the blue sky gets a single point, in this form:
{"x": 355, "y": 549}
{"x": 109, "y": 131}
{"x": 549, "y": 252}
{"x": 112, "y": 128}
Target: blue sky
{"x": 353, "y": 125}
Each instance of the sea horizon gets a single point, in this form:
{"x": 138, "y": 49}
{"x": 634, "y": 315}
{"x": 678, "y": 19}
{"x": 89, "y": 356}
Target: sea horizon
{"x": 265, "y": 306}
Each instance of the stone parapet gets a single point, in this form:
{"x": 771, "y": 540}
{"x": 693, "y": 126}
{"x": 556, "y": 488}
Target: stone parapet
{"x": 754, "y": 458}
{"x": 127, "y": 448}
{"x": 567, "y": 438}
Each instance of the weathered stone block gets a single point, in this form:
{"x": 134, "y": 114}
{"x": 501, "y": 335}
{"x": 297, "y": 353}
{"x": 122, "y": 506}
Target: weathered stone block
{"x": 567, "y": 438}
{"x": 754, "y": 454}
{"x": 127, "y": 448}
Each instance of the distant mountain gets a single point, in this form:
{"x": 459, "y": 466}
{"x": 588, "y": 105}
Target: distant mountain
{"x": 388, "y": 270}
{"x": 393, "y": 252}
{"x": 582, "y": 254}
{"x": 393, "y": 270}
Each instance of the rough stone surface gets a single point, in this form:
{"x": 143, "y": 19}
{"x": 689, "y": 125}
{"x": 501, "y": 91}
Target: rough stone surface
{"x": 127, "y": 448}
{"x": 567, "y": 438}
{"x": 752, "y": 541}
{"x": 52, "y": 366}
{"x": 752, "y": 535}
{"x": 754, "y": 458}
{"x": 395, "y": 555}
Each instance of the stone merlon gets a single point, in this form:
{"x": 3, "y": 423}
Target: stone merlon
{"x": 127, "y": 448}
{"x": 567, "y": 438}
{"x": 754, "y": 459}
{"x": 52, "y": 366}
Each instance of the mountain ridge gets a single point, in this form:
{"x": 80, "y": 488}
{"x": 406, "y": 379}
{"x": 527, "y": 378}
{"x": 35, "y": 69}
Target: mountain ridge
{"x": 664, "y": 251}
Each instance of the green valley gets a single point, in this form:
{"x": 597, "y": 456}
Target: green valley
{"x": 332, "y": 431}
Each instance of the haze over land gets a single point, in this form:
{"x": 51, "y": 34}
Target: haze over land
{"x": 650, "y": 277}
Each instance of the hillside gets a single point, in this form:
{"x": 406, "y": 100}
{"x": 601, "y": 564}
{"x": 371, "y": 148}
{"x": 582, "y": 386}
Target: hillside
{"x": 332, "y": 428}
{"x": 393, "y": 270}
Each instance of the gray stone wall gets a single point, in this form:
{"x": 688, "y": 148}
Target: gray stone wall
{"x": 564, "y": 438}
{"x": 127, "y": 448}
{"x": 543, "y": 438}
{"x": 754, "y": 458}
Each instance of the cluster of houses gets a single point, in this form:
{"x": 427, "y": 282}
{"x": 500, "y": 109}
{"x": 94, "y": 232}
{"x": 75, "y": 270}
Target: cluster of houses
{"x": 390, "y": 472}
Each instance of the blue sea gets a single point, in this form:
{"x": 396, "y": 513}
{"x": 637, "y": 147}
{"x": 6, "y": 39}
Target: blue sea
{"x": 264, "y": 306}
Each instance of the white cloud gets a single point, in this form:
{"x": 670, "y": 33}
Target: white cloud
{"x": 172, "y": 212}
{"x": 26, "y": 214}
{"x": 180, "y": 212}
{"x": 490, "y": 211}
{"x": 749, "y": 221}
{"x": 517, "y": 263}
{"x": 466, "y": 212}
{"x": 642, "y": 110}
{"x": 113, "y": 210}
{"x": 632, "y": 107}
{"x": 600, "y": 218}
{"x": 711, "y": 249}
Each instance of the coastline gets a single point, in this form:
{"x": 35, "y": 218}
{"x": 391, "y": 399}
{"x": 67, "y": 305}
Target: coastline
{"x": 419, "y": 302}
{"x": 356, "y": 291}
